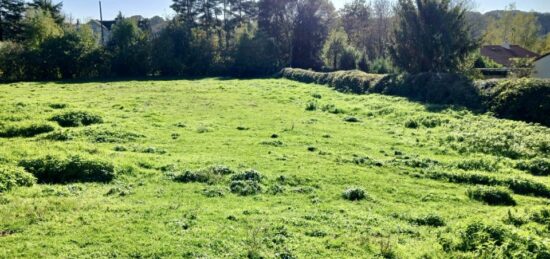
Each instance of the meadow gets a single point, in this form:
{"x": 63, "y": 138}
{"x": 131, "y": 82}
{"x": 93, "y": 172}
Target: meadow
{"x": 263, "y": 168}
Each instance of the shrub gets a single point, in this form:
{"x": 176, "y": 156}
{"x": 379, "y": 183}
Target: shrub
{"x": 250, "y": 175}
{"x": 491, "y": 196}
{"x": 521, "y": 99}
{"x": 429, "y": 220}
{"x": 541, "y": 216}
{"x": 354, "y": 194}
{"x": 26, "y": 131}
{"x": 330, "y": 108}
{"x": 76, "y": 119}
{"x": 245, "y": 188}
{"x": 11, "y": 177}
{"x": 537, "y": 166}
{"x": 55, "y": 170}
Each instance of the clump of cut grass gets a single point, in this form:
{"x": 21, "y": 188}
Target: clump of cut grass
{"x": 12, "y": 177}
{"x": 354, "y": 194}
{"x": 311, "y": 106}
{"x": 56, "y": 170}
{"x": 25, "y": 130}
{"x": 431, "y": 220}
{"x": 491, "y": 196}
{"x": 76, "y": 119}
{"x": 245, "y": 188}
{"x": 351, "y": 119}
{"x": 537, "y": 166}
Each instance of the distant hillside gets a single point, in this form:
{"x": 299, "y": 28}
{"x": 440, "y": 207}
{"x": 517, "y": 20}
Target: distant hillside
{"x": 480, "y": 20}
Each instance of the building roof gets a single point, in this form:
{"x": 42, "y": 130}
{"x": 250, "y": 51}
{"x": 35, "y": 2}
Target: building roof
{"x": 502, "y": 55}
{"x": 542, "y": 56}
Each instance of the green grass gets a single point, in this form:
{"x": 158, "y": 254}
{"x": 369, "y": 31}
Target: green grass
{"x": 154, "y": 131}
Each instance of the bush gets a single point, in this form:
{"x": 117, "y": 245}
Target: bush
{"x": 478, "y": 164}
{"x": 76, "y": 119}
{"x": 56, "y": 170}
{"x": 11, "y": 177}
{"x": 354, "y": 194}
{"x": 26, "y": 131}
{"x": 527, "y": 187}
{"x": 491, "y": 196}
{"x": 353, "y": 81}
{"x": 245, "y": 188}
{"x": 537, "y": 166}
{"x": 429, "y": 220}
{"x": 521, "y": 99}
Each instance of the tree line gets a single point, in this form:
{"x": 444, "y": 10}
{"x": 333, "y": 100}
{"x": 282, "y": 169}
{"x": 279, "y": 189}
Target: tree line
{"x": 240, "y": 38}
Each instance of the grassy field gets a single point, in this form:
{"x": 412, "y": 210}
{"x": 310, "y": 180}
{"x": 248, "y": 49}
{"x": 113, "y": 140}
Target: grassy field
{"x": 314, "y": 152}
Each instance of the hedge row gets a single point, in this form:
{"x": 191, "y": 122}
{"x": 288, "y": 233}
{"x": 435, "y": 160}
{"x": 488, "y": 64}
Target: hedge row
{"x": 519, "y": 99}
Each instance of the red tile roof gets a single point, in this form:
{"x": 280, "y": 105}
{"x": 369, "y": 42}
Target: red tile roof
{"x": 503, "y": 55}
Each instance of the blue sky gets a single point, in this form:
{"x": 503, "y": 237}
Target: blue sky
{"x": 85, "y": 9}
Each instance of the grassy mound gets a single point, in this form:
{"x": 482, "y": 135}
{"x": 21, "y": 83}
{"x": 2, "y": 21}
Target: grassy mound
{"x": 11, "y": 177}
{"x": 57, "y": 170}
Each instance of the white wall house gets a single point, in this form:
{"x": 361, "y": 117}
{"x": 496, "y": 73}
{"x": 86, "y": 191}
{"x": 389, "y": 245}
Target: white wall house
{"x": 542, "y": 67}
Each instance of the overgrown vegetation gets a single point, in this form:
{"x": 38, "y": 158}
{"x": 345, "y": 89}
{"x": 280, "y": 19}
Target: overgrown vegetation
{"x": 56, "y": 170}
{"x": 12, "y": 177}
{"x": 308, "y": 164}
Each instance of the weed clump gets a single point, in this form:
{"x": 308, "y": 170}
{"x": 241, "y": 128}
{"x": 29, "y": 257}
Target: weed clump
{"x": 245, "y": 188}
{"x": 478, "y": 164}
{"x": 491, "y": 196}
{"x": 208, "y": 175}
{"x": 351, "y": 119}
{"x": 537, "y": 166}
{"x": 311, "y": 106}
{"x": 76, "y": 119}
{"x": 354, "y": 194}
{"x": 58, "y": 105}
{"x": 330, "y": 108}
{"x": 25, "y": 131}
{"x": 429, "y": 220}
{"x": 55, "y": 170}
{"x": 250, "y": 175}
{"x": 213, "y": 192}
{"x": 11, "y": 177}
{"x": 59, "y": 136}
{"x": 411, "y": 124}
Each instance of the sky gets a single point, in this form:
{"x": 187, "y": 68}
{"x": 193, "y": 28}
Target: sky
{"x": 89, "y": 9}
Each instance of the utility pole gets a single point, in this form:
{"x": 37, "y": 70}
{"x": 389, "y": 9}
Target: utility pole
{"x": 101, "y": 24}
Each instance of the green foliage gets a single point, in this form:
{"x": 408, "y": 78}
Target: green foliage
{"x": 311, "y": 28}
{"x": 419, "y": 46}
{"x": 39, "y": 26}
{"x": 338, "y": 54}
{"x": 24, "y": 130}
{"x": 311, "y": 106}
{"x": 245, "y": 187}
{"x": 354, "y": 194}
{"x": 250, "y": 175}
{"x": 57, "y": 170}
{"x": 381, "y": 66}
{"x": 521, "y": 99}
{"x": 254, "y": 55}
{"x": 11, "y": 14}
{"x": 76, "y": 119}
{"x": 12, "y": 177}
{"x": 129, "y": 48}
{"x": 491, "y": 196}
{"x": 431, "y": 220}
{"x": 537, "y": 166}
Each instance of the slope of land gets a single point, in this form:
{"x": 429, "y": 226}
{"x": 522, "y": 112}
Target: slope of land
{"x": 309, "y": 144}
